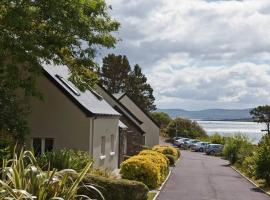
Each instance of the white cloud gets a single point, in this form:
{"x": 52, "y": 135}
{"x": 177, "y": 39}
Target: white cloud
{"x": 211, "y": 53}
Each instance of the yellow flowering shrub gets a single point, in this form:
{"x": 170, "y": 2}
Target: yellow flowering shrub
{"x": 160, "y": 160}
{"x": 167, "y": 150}
{"x": 141, "y": 168}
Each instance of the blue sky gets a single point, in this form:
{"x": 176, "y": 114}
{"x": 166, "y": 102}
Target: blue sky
{"x": 199, "y": 54}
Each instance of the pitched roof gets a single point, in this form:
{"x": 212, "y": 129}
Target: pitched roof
{"x": 88, "y": 101}
{"x": 119, "y": 97}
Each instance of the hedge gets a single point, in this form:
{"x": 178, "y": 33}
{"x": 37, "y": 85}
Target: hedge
{"x": 171, "y": 158}
{"x": 160, "y": 160}
{"x": 114, "y": 189}
{"x": 141, "y": 168}
{"x": 167, "y": 150}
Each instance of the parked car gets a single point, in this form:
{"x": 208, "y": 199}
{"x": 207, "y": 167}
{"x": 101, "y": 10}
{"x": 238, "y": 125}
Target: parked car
{"x": 189, "y": 143}
{"x": 200, "y": 146}
{"x": 174, "y": 139}
{"x": 181, "y": 142}
{"x": 213, "y": 149}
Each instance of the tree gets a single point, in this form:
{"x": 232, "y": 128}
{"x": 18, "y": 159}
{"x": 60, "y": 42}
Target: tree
{"x": 261, "y": 114}
{"x": 185, "y": 128}
{"x": 114, "y": 73}
{"x": 163, "y": 119}
{"x": 139, "y": 90}
{"x": 35, "y": 32}
{"x": 262, "y": 160}
{"x": 116, "y": 76}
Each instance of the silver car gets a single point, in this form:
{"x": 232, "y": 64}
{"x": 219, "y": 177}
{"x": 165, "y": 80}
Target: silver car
{"x": 200, "y": 146}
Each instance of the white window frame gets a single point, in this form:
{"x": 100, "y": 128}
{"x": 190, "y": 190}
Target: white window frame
{"x": 103, "y": 147}
{"x": 42, "y": 143}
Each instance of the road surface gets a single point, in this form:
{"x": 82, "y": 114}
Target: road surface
{"x": 201, "y": 177}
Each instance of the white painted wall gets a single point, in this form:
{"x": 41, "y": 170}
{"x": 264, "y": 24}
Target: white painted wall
{"x": 105, "y": 127}
{"x": 59, "y": 118}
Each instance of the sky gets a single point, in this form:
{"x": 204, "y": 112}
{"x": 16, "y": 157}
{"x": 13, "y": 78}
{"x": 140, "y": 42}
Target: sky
{"x": 198, "y": 54}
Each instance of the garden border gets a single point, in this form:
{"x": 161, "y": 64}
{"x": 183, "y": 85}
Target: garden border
{"x": 249, "y": 180}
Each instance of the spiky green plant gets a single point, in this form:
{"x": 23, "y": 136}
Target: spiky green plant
{"x": 22, "y": 178}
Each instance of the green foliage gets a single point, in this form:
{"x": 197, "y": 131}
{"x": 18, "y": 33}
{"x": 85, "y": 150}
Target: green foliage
{"x": 171, "y": 158}
{"x": 6, "y": 148}
{"x": 13, "y": 113}
{"x": 115, "y": 189}
{"x": 106, "y": 173}
{"x": 248, "y": 165}
{"x": 22, "y": 178}
{"x": 216, "y": 138}
{"x": 163, "y": 119}
{"x": 47, "y": 31}
{"x": 117, "y": 76}
{"x": 64, "y": 159}
{"x": 262, "y": 168}
{"x": 168, "y": 150}
{"x": 237, "y": 148}
{"x": 261, "y": 114}
{"x": 114, "y": 73}
{"x": 185, "y": 128}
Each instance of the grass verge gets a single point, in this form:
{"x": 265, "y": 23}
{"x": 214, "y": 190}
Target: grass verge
{"x": 151, "y": 195}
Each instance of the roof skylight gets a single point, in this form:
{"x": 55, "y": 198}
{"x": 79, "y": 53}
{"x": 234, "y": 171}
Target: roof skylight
{"x": 66, "y": 83}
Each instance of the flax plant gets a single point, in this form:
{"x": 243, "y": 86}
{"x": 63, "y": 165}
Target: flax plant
{"x": 22, "y": 178}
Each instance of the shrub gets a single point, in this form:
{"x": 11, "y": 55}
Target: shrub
{"x": 102, "y": 172}
{"x": 141, "y": 168}
{"x": 115, "y": 189}
{"x": 64, "y": 159}
{"x": 167, "y": 150}
{"x": 248, "y": 166}
{"x": 262, "y": 161}
{"x": 216, "y": 138}
{"x": 171, "y": 159}
{"x": 185, "y": 128}
{"x": 160, "y": 160}
{"x": 237, "y": 148}
{"x": 22, "y": 178}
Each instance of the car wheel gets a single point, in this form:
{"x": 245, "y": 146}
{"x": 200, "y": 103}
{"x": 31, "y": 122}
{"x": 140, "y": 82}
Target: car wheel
{"x": 201, "y": 149}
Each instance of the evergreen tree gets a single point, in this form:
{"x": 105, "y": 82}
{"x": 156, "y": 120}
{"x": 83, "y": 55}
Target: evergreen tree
{"x": 117, "y": 77}
{"x": 139, "y": 90}
{"x": 114, "y": 73}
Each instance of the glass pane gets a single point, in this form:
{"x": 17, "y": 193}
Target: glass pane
{"x": 48, "y": 144}
{"x": 112, "y": 143}
{"x": 37, "y": 146}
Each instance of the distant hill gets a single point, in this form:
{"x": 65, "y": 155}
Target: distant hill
{"x": 210, "y": 114}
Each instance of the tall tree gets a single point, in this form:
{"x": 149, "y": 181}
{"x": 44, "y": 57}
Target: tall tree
{"x": 114, "y": 73}
{"x": 34, "y": 32}
{"x": 139, "y": 90}
{"x": 117, "y": 77}
{"x": 261, "y": 114}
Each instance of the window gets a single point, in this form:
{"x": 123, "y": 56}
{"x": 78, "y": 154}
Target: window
{"x": 37, "y": 144}
{"x": 103, "y": 142}
{"x": 66, "y": 83}
{"x": 48, "y": 144}
{"x": 143, "y": 140}
{"x": 42, "y": 145}
{"x": 112, "y": 143}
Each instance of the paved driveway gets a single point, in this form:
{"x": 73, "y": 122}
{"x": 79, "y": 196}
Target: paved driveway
{"x": 201, "y": 177}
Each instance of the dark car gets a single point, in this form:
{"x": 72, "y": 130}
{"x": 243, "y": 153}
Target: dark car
{"x": 213, "y": 149}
